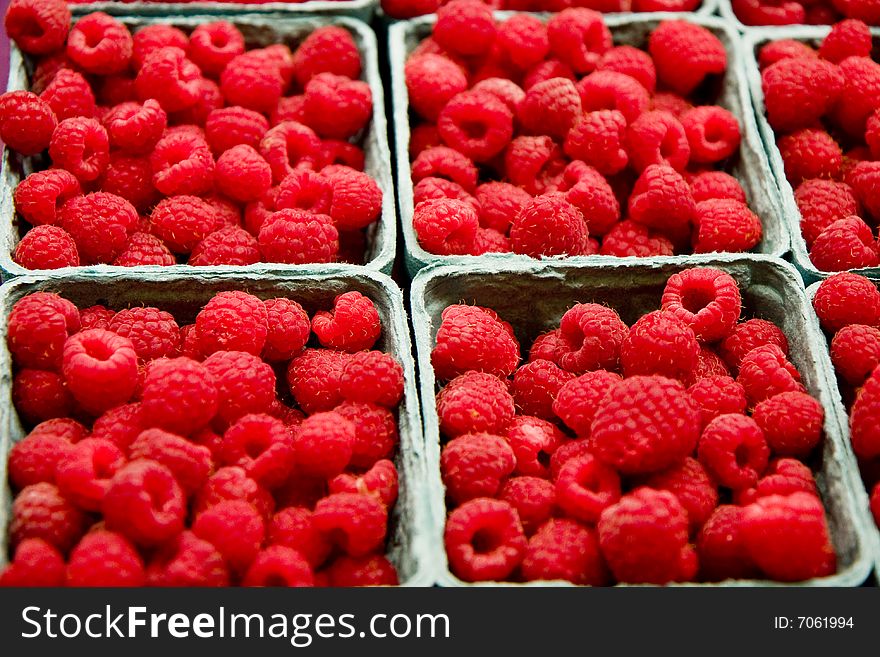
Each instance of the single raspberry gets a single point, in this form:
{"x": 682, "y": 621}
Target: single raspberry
{"x": 644, "y": 538}
{"x": 809, "y": 154}
{"x": 549, "y": 68}
{"x": 749, "y": 335}
{"x": 189, "y": 463}
{"x": 228, "y": 246}
{"x": 473, "y": 338}
{"x": 355, "y": 523}
{"x": 145, "y": 249}
{"x": 847, "y": 243}
{"x": 40, "y": 511}
{"x": 797, "y": 92}
{"x": 855, "y": 352}
{"x": 607, "y": 90}
{"x": 726, "y": 225}
{"x": 304, "y": 189}
{"x": 35, "y": 563}
{"x": 791, "y": 422}
{"x": 288, "y": 329}
{"x": 563, "y": 549}
{"x": 657, "y": 138}
{"x": 598, "y": 139}
{"x": 323, "y": 444}
{"x": 153, "y": 332}
{"x": 297, "y": 237}
{"x": 475, "y": 465}
{"x": 444, "y": 162}
{"x": 662, "y": 199}
{"x": 32, "y": 460}
{"x": 659, "y": 343}
{"x": 250, "y": 81}
{"x": 579, "y": 37}
{"x": 313, "y": 377}
{"x": 179, "y": 395}
{"x": 585, "y": 486}
{"x": 38, "y": 27}
{"x": 707, "y": 300}
{"x": 464, "y": 27}
{"x": 716, "y": 185}
{"x": 96, "y": 316}
{"x": 821, "y": 203}
{"x": 645, "y": 424}
{"x": 848, "y": 38}
{"x": 628, "y": 238}
{"x": 577, "y": 400}
{"x": 293, "y": 528}
{"x": 440, "y": 188}
{"x": 182, "y": 164}
{"x": 694, "y": 488}
{"x": 534, "y": 163}
{"x": 380, "y": 481}
{"x": 375, "y": 432}
{"x": 352, "y": 325}
{"x": 535, "y": 386}
{"x": 80, "y": 145}
{"x": 356, "y": 199}
{"x": 373, "y": 570}
{"x": 712, "y": 132}
{"x": 845, "y": 299}
{"x": 432, "y": 81}
{"x": 46, "y": 247}
{"x": 477, "y": 124}
{"x": 474, "y": 402}
{"x": 718, "y": 395}
{"x": 277, "y": 565}
{"x": 484, "y": 540}
{"x": 863, "y": 419}
{"x": 549, "y": 225}
{"x": 152, "y": 37}
{"x": 232, "y": 483}
{"x": 232, "y": 126}
{"x": 348, "y": 102}
{"x": 775, "y": 51}
{"x": 100, "y": 44}
{"x": 170, "y": 78}
{"x": 120, "y": 425}
{"x": 588, "y": 191}
{"x": 130, "y": 177}
{"x": 534, "y": 441}
{"x": 106, "y": 559}
{"x": 69, "y": 94}
{"x": 232, "y": 321}
{"x": 446, "y": 226}
{"x": 245, "y": 384}
{"x": 183, "y": 221}
{"x": 84, "y": 471}
{"x": 721, "y": 546}
{"x": 592, "y": 336}
{"x": 39, "y": 196}
{"x": 187, "y": 561}
{"x": 235, "y": 529}
{"x": 859, "y": 96}
{"x": 242, "y": 174}
{"x": 100, "y": 369}
{"x": 788, "y": 537}
{"x": 213, "y": 45}
{"x": 37, "y": 329}
{"x": 685, "y": 54}
{"x": 765, "y": 371}
{"x": 39, "y": 395}
{"x": 523, "y": 39}
{"x": 329, "y": 49}
{"x": 550, "y": 107}
{"x": 372, "y": 376}
{"x": 533, "y": 499}
{"x": 498, "y": 204}
{"x": 27, "y": 123}
{"x": 263, "y": 446}
{"x": 784, "y": 476}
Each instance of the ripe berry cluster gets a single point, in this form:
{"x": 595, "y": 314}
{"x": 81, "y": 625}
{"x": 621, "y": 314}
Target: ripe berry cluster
{"x": 413, "y": 8}
{"x": 813, "y": 12}
{"x": 670, "y": 450}
{"x": 546, "y": 139}
{"x": 848, "y": 306}
{"x": 227, "y": 451}
{"x": 166, "y": 147}
{"x": 824, "y": 106}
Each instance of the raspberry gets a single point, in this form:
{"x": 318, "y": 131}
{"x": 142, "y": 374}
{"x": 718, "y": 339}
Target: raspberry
{"x": 380, "y": 481}
{"x": 182, "y": 164}
{"x": 657, "y": 138}
{"x": 339, "y": 152}
{"x": 352, "y": 325}
{"x": 232, "y": 321}
{"x": 208, "y": 99}
{"x": 313, "y": 377}
{"x": 83, "y": 472}
{"x": 150, "y": 38}
{"x": 862, "y": 178}
{"x": 863, "y": 419}
{"x": 845, "y": 299}
{"x": 120, "y": 425}
{"x": 788, "y": 537}
{"x": 444, "y": 162}
{"x": 484, "y": 540}
{"x": 245, "y": 384}
{"x": 375, "y": 432}
{"x": 464, "y": 27}
{"x": 597, "y": 138}
{"x": 235, "y": 529}
{"x": 765, "y": 371}
{"x": 32, "y": 460}
{"x": 643, "y": 538}
{"x": 585, "y": 487}
{"x": 323, "y": 444}
{"x": 846, "y": 244}
{"x": 662, "y": 199}
{"x": 607, "y": 90}
{"x": 855, "y": 352}
{"x": 475, "y": 465}
{"x": 666, "y": 101}
{"x": 716, "y": 185}
{"x": 562, "y": 549}
{"x": 100, "y": 369}
{"x": 232, "y": 483}
{"x": 848, "y": 38}
{"x": 144, "y": 503}
{"x": 589, "y": 192}
{"x": 533, "y": 441}
{"x": 242, "y": 174}
{"x": 712, "y": 132}
{"x": 659, "y": 343}
{"x": 233, "y": 126}
{"x": 304, "y": 189}
{"x": 288, "y": 329}
{"x": 721, "y": 546}
{"x": 348, "y": 102}
{"x": 189, "y": 463}
{"x": 99, "y": 44}
{"x": 153, "y": 332}
{"x": 329, "y": 49}
{"x": 534, "y": 163}
{"x": 97, "y": 316}
{"x": 775, "y": 51}
{"x": 213, "y": 45}
{"x": 36, "y": 563}
{"x": 550, "y": 107}
{"x": 474, "y": 402}
{"x": 645, "y": 424}
{"x": 577, "y": 400}
{"x": 791, "y": 422}
{"x": 685, "y": 54}
{"x": 707, "y": 300}
{"x": 477, "y": 124}
{"x": 592, "y": 335}
{"x": 130, "y": 177}
{"x": 797, "y": 92}
{"x": 372, "y": 376}
{"x": 39, "y": 196}
{"x": 293, "y": 528}
{"x": 183, "y": 221}
{"x": 821, "y": 203}
{"x": 46, "y": 247}
{"x": 533, "y": 499}
{"x": 691, "y": 484}
{"x": 374, "y": 570}
{"x": 810, "y": 154}
{"x": 440, "y": 188}
{"x": 749, "y": 335}
{"x": 356, "y": 198}
{"x": 277, "y": 565}
{"x": 227, "y": 246}
{"x": 38, "y": 327}
{"x": 298, "y": 237}
{"x": 170, "y": 78}
{"x": 860, "y": 94}
{"x": 733, "y": 450}
{"x": 499, "y": 204}
{"x": 250, "y": 81}
{"x": 145, "y": 249}
{"x": 535, "y": 386}
{"x": 709, "y": 364}
{"x": 446, "y": 226}
{"x": 69, "y": 95}
{"x": 38, "y": 27}
{"x": 432, "y": 81}
{"x": 718, "y": 395}
{"x": 473, "y": 338}
{"x": 179, "y": 395}
{"x": 40, "y": 512}
{"x": 262, "y": 446}
{"x": 783, "y": 477}
{"x": 549, "y": 225}
{"x": 629, "y": 238}
{"x": 579, "y": 37}
{"x": 187, "y": 561}
{"x": 355, "y": 523}
{"x": 39, "y": 395}
{"x": 27, "y": 123}
{"x": 726, "y": 225}
{"x": 104, "y": 558}
{"x": 80, "y": 145}
{"x": 550, "y": 68}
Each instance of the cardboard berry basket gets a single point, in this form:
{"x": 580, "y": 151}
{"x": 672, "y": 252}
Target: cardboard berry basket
{"x": 842, "y": 418}
{"x": 361, "y": 9}
{"x": 258, "y": 31}
{"x": 183, "y": 296}
{"x": 533, "y": 298}
{"x": 751, "y": 169}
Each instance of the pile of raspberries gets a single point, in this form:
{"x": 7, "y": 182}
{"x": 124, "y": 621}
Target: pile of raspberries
{"x": 413, "y": 8}
{"x": 669, "y": 451}
{"x": 813, "y": 12}
{"x": 251, "y": 447}
{"x": 163, "y": 147}
{"x": 824, "y": 106}
{"x": 848, "y": 306}
{"x": 545, "y": 139}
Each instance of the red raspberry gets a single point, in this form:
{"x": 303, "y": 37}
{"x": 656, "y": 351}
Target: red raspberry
{"x": 775, "y": 51}
{"x": 352, "y": 325}
{"x": 298, "y": 237}
{"x": 791, "y": 422}
{"x": 288, "y": 329}
{"x": 277, "y": 565}
{"x": 304, "y": 189}
{"x": 97, "y": 316}
{"x": 694, "y": 488}
{"x": 788, "y": 537}
{"x": 765, "y": 371}
{"x": 242, "y": 174}
{"x": 84, "y": 471}
{"x": 39, "y": 395}
{"x": 232, "y": 126}
{"x": 475, "y": 465}
{"x": 726, "y": 225}
{"x": 589, "y": 192}
{"x": 80, "y": 145}
{"x": 66, "y": 428}
{"x": 446, "y": 226}
{"x": 46, "y": 247}
{"x": 548, "y": 346}
{"x": 144, "y": 503}
{"x": 329, "y": 49}
{"x": 228, "y": 246}
{"x": 182, "y": 164}
{"x": 323, "y": 444}
{"x": 592, "y": 335}
{"x": 550, "y": 68}
{"x": 707, "y": 300}
{"x": 685, "y": 54}
{"x": 99, "y": 44}
{"x": 534, "y": 163}
{"x": 100, "y": 369}
{"x": 40, "y": 511}
{"x": 337, "y": 107}
{"x": 440, "y": 188}
{"x": 145, "y": 249}
{"x": 645, "y": 424}
{"x": 189, "y": 463}
{"x": 484, "y": 540}
{"x": 103, "y": 558}
{"x": 187, "y": 561}
{"x": 550, "y": 107}
{"x": 293, "y": 528}
{"x": 183, "y": 221}
{"x": 473, "y": 338}
{"x": 733, "y": 450}
{"x": 372, "y": 376}
{"x": 432, "y": 81}
{"x": 712, "y": 132}
{"x": 629, "y": 238}
{"x": 797, "y": 92}
{"x": 375, "y": 432}
{"x": 535, "y": 386}
{"x": 721, "y": 546}
{"x": 848, "y": 243}
{"x": 444, "y": 162}
{"x": 784, "y": 476}
{"x": 716, "y": 185}
{"x": 533, "y": 441}
{"x": 709, "y": 364}
{"x": 845, "y": 299}
{"x": 585, "y": 487}
{"x": 380, "y": 481}
{"x": 235, "y": 529}
{"x": 38, "y": 327}
{"x": 597, "y": 138}
{"x": 657, "y": 138}
{"x": 245, "y": 384}
{"x": 69, "y": 95}
{"x": 374, "y": 570}
{"x": 474, "y": 402}
{"x": 213, "y": 45}
{"x": 464, "y": 27}
{"x": 662, "y": 199}
{"x": 130, "y": 177}
{"x": 153, "y": 332}
{"x": 659, "y": 343}
{"x": 232, "y": 483}
{"x": 565, "y": 550}
{"x": 36, "y": 563}
{"x": 644, "y": 538}
{"x": 313, "y": 377}
{"x": 121, "y": 425}
{"x": 152, "y": 37}
{"x": 169, "y": 77}
{"x": 499, "y": 203}
{"x": 32, "y": 460}
{"x": 477, "y": 124}
{"x": 718, "y": 395}
{"x": 863, "y": 419}
{"x": 533, "y": 499}
{"x": 848, "y": 38}
{"x": 579, "y": 37}
{"x": 751, "y": 334}
{"x": 179, "y": 395}
{"x": 356, "y": 197}
{"x": 549, "y": 225}
{"x": 607, "y": 90}
{"x": 38, "y": 27}
{"x": 261, "y": 445}
{"x": 855, "y": 352}
{"x": 821, "y": 203}
{"x": 232, "y": 321}
{"x": 860, "y": 94}
{"x": 577, "y": 401}
{"x": 355, "y": 523}
{"x": 808, "y": 154}
{"x": 252, "y": 82}
{"x": 523, "y": 39}
{"x": 632, "y": 62}
{"x": 39, "y": 196}
{"x": 27, "y": 123}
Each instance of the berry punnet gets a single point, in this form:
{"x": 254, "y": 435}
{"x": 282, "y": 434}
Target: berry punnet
{"x": 547, "y": 139}
{"x": 830, "y": 143}
{"x": 162, "y": 147}
{"x": 671, "y": 450}
{"x": 160, "y": 453}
